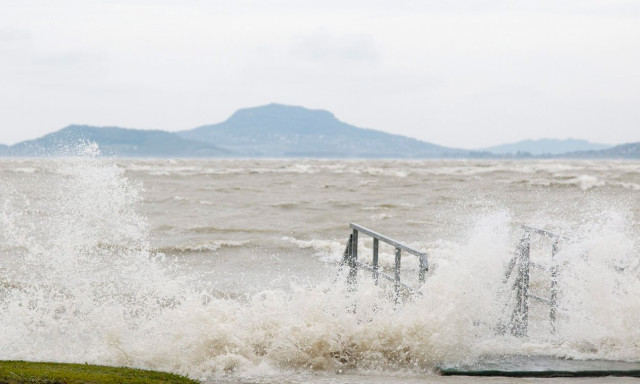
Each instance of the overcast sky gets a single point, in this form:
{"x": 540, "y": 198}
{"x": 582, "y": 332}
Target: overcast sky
{"x": 462, "y": 73}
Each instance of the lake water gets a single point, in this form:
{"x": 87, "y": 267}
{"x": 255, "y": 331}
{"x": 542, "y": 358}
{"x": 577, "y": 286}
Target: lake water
{"x": 228, "y": 270}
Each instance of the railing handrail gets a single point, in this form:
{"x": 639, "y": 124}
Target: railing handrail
{"x": 350, "y": 258}
{"x": 520, "y": 315}
{"x": 544, "y": 232}
{"x": 388, "y": 240}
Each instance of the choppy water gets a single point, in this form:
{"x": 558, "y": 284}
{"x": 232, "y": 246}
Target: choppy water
{"x": 227, "y": 269}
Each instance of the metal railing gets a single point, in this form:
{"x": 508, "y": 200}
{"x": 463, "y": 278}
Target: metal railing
{"x": 519, "y": 323}
{"x": 350, "y": 259}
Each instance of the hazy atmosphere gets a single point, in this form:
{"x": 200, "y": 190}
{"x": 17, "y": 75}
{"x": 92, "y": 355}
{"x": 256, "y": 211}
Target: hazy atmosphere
{"x": 467, "y": 74}
{"x": 319, "y": 192}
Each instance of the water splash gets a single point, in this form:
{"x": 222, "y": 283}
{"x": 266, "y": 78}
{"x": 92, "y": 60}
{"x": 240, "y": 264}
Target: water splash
{"x": 77, "y": 272}
{"x": 80, "y": 282}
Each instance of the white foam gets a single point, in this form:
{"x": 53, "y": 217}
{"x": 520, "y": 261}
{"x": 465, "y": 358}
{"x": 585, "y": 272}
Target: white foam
{"x": 81, "y": 283}
{"x": 209, "y": 246}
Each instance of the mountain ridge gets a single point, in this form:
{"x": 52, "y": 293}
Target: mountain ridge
{"x": 282, "y": 131}
{"x": 277, "y": 130}
{"x": 112, "y": 141}
{"x": 622, "y": 151}
{"x": 546, "y": 146}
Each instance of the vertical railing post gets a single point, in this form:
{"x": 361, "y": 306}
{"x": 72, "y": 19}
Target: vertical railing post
{"x": 554, "y": 285}
{"x": 347, "y": 252}
{"x": 350, "y": 258}
{"x": 424, "y": 267}
{"x": 376, "y": 274}
{"x": 353, "y": 267}
{"x": 397, "y": 273}
{"x": 525, "y": 286}
{"x": 520, "y": 317}
{"x": 522, "y": 259}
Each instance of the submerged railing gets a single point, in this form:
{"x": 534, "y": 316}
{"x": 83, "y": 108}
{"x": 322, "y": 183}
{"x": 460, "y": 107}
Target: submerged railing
{"x": 350, "y": 259}
{"x": 519, "y": 323}
{"x": 520, "y": 262}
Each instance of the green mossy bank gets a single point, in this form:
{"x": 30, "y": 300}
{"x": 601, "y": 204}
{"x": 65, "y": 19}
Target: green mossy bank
{"x": 55, "y": 373}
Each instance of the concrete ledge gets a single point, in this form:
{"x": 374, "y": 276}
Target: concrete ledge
{"x": 541, "y": 366}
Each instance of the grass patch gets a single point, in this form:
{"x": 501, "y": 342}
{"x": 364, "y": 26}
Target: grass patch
{"x": 56, "y": 373}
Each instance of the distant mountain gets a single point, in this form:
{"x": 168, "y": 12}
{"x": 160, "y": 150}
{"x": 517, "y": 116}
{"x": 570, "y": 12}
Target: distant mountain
{"x": 114, "y": 142}
{"x": 277, "y": 130}
{"x": 623, "y": 151}
{"x": 546, "y": 147}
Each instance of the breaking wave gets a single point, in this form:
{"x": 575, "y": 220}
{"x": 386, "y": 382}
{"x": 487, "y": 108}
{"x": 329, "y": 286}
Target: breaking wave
{"x": 80, "y": 282}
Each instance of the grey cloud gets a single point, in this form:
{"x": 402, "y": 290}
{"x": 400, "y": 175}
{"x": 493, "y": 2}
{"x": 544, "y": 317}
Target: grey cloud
{"x": 324, "y": 46}
{"x": 458, "y": 72}
{"x": 70, "y": 58}
{"x": 11, "y": 35}
{"x": 619, "y": 8}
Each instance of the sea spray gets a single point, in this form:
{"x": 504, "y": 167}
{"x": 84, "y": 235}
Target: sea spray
{"x": 79, "y": 276}
{"x": 81, "y": 282}
{"x": 91, "y": 290}
{"x": 600, "y": 282}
